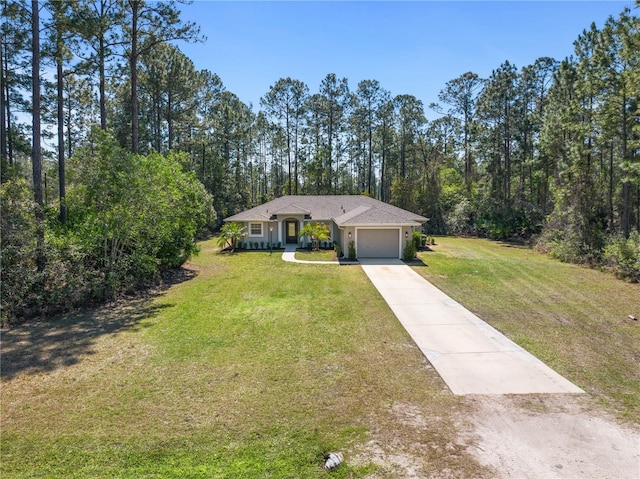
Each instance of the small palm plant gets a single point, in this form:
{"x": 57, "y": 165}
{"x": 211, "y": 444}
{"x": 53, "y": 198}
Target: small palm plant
{"x": 316, "y": 232}
{"x": 230, "y": 233}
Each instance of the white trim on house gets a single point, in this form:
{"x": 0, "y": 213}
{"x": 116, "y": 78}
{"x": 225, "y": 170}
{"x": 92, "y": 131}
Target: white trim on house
{"x": 256, "y": 235}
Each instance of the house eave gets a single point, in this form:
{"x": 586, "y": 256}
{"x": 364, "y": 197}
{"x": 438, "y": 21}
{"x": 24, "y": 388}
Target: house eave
{"x": 232, "y": 219}
{"x": 412, "y": 224}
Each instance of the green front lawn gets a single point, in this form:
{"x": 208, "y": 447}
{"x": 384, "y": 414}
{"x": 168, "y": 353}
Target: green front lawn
{"x": 321, "y": 255}
{"x": 253, "y": 368}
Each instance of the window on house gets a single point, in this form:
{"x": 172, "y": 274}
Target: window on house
{"x": 255, "y": 229}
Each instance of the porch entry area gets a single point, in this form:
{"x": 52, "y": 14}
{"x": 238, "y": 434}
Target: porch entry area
{"x": 291, "y": 231}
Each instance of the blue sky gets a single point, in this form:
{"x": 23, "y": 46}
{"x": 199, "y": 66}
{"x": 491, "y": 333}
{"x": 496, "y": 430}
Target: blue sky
{"x": 411, "y": 47}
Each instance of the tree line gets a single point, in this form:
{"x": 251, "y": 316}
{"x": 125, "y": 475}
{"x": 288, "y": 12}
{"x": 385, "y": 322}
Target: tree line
{"x": 546, "y": 151}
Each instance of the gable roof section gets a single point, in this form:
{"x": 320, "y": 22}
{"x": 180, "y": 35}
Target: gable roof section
{"x": 292, "y": 210}
{"x": 370, "y": 215}
{"x": 345, "y": 218}
{"x": 345, "y": 210}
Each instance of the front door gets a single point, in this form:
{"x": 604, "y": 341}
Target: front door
{"x": 291, "y": 231}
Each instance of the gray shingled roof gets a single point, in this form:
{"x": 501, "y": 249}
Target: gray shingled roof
{"x": 345, "y": 210}
{"x": 369, "y": 215}
{"x": 291, "y": 210}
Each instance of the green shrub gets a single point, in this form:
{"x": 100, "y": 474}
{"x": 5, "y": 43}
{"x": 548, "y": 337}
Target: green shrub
{"x": 561, "y": 244}
{"x": 416, "y": 239}
{"x": 20, "y": 278}
{"x": 230, "y": 236}
{"x": 129, "y": 218}
{"x": 565, "y": 250}
{"x": 409, "y": 252}
{"x": 68, "y": 278}
{"x": 338, "y": 249}
{"x": 136, "y": 214}
{"x": 351, "y": 254}
{"x": 622, "y": 256}
{"x": 458, "y": 219}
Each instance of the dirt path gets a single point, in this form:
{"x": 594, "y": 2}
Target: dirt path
{"x": 551, "y": 436}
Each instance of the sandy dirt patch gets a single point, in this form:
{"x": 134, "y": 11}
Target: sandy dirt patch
{"x": 551, "y": 436}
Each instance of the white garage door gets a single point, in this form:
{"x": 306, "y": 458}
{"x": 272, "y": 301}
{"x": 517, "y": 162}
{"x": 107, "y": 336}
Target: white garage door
{"x": 378, "y": 243}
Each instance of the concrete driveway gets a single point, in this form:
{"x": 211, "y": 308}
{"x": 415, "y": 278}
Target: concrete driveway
{"x": 471, "y": 356}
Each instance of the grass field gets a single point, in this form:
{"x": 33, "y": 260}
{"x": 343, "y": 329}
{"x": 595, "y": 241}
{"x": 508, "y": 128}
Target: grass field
{"x": 573, "y": 318}
{"x": 252, "y": 367}
{"x": 322, "y": 255}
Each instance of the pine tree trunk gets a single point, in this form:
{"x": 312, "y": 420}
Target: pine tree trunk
{"x": 288, "y": 155}
{"x": 370, "y": 160}
{"x": 5, "y": 92}
{"x": 69, "y": 135}
{"x": 133, "y": 63}
{"x": 36, "y": 154}
{"x": 103, "y": 101}
{"x": 383, "y": 191}
{"x": 170, "y": 119}
{"x": 61, "y": 159}
{"x": 3, "y": 131}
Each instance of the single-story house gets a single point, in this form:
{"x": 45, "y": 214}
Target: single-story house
{"x": 378, "y": 230}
